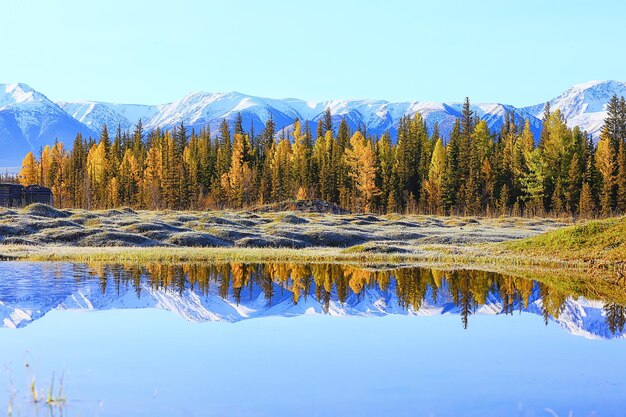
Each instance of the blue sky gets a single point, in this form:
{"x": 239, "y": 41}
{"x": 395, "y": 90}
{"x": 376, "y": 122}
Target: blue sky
{"x": 156, "y": 51}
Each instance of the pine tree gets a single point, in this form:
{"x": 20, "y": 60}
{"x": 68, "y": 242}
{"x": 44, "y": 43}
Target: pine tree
{"x": 411, "y": 136}
{"x": 574, "y": 185}
{"x": 238, "y": 129}
{"x": 105, "y": 140}
{"x": 614, "y": 128}
{"x": 621, "y": 178}
{"x": 139, "y": 149}
{"x": 224, "y": 148}
{"x": 182, "y": 176}
{"x": 327, "y": 122}
{"x": 452, "y": 173}
{"x": 77, "y": 178}
{"x": 343, "y": 134}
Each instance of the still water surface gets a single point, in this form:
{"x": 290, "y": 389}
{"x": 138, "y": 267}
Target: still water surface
{"x": 303, "y": 340}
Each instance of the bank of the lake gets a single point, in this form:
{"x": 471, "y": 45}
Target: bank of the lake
{"x": 43, "y": 233}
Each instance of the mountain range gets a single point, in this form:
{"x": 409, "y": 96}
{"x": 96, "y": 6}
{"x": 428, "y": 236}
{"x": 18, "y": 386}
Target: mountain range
{"x": 29, "y": 120}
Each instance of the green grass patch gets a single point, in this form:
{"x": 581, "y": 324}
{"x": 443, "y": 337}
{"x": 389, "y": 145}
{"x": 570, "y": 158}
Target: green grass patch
{"x": 598, "y": 240}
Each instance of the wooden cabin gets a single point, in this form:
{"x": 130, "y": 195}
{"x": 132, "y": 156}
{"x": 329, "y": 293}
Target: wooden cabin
{"x": 16, "y": 195}
{"x": 11, "y": 195}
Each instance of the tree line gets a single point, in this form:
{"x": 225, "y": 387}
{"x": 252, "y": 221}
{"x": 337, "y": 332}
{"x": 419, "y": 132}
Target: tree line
{"x": 473, "y": 172}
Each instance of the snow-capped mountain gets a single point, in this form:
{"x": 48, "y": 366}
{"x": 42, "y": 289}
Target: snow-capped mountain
{"x": 28, "y": 119}
{"x": 584, "y": 104}
{"x": 95, "y": 115}
{"x": 199, "y": 109}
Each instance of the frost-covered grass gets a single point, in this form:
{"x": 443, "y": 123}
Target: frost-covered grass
{"x": 39, "y": 225}
{"x": 125, "y": 235}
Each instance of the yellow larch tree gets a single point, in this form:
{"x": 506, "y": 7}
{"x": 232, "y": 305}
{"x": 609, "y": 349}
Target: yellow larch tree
{"x": 605, "y": 165}
{"x": 151, "y": 185}
{"x": 282, "y": 175}
{"x": 29, "y": 173}
{"x": 238, "y": 182}
{"x": 433, "y": 186}
{"x": 360, "y": 159}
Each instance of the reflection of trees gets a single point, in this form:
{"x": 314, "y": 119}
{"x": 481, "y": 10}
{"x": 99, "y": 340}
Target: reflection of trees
{"x": 615, "y": 317}
{"x": 460, "y": 288}
{"x": 280, "y": 281}
{"x": 552, "y": 301}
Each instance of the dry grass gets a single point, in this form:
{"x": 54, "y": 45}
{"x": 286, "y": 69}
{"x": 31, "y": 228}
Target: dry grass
{"x": 125, "y": 235}
{"x": 45, "y": 226}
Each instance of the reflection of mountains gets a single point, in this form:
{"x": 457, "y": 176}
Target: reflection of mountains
{"x": 233, "y": 292}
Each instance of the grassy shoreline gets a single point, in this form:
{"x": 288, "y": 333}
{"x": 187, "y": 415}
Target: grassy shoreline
{"x": 565, "y": 275}
{"x": 493, "y": 255}
{"x": 41, "y": 233}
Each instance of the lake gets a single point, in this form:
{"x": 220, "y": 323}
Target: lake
{"x": 281, "y": 339}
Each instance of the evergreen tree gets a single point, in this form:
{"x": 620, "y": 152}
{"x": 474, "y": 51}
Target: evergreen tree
{"x": 478, "y": 172}
{"x": 621, "y": 178}
{"x": 327, "y": 122}
{"x": 238, "y": 129}
{"x": 452, "y": 173}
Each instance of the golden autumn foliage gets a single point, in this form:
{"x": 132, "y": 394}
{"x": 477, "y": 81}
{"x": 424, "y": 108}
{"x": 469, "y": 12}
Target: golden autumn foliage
{"x": 473, "y": 171}
{"x": 29, "y": 174}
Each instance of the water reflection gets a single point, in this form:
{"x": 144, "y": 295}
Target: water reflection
{"x": 236, "y": 291}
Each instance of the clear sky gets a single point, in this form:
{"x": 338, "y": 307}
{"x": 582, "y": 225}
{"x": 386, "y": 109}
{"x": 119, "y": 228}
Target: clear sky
{"x": 151, "y": 51}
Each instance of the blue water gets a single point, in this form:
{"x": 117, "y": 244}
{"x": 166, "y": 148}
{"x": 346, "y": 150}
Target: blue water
{"x": 126, "y": 359}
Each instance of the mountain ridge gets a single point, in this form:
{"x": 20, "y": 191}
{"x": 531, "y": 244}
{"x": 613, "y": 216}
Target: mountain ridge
{"x": 29, "y": 120}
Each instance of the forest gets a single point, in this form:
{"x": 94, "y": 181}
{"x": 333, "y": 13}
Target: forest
{"x": 473, "y": 172}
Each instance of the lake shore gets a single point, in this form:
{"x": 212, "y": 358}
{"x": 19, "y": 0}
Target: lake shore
{"x": 43, "y": 233}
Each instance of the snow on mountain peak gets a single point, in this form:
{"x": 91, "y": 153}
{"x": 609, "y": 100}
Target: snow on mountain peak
{"x": 19, "y": 93}
{"x": 28, "y": 119}
{"x": 584, "y": 104}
